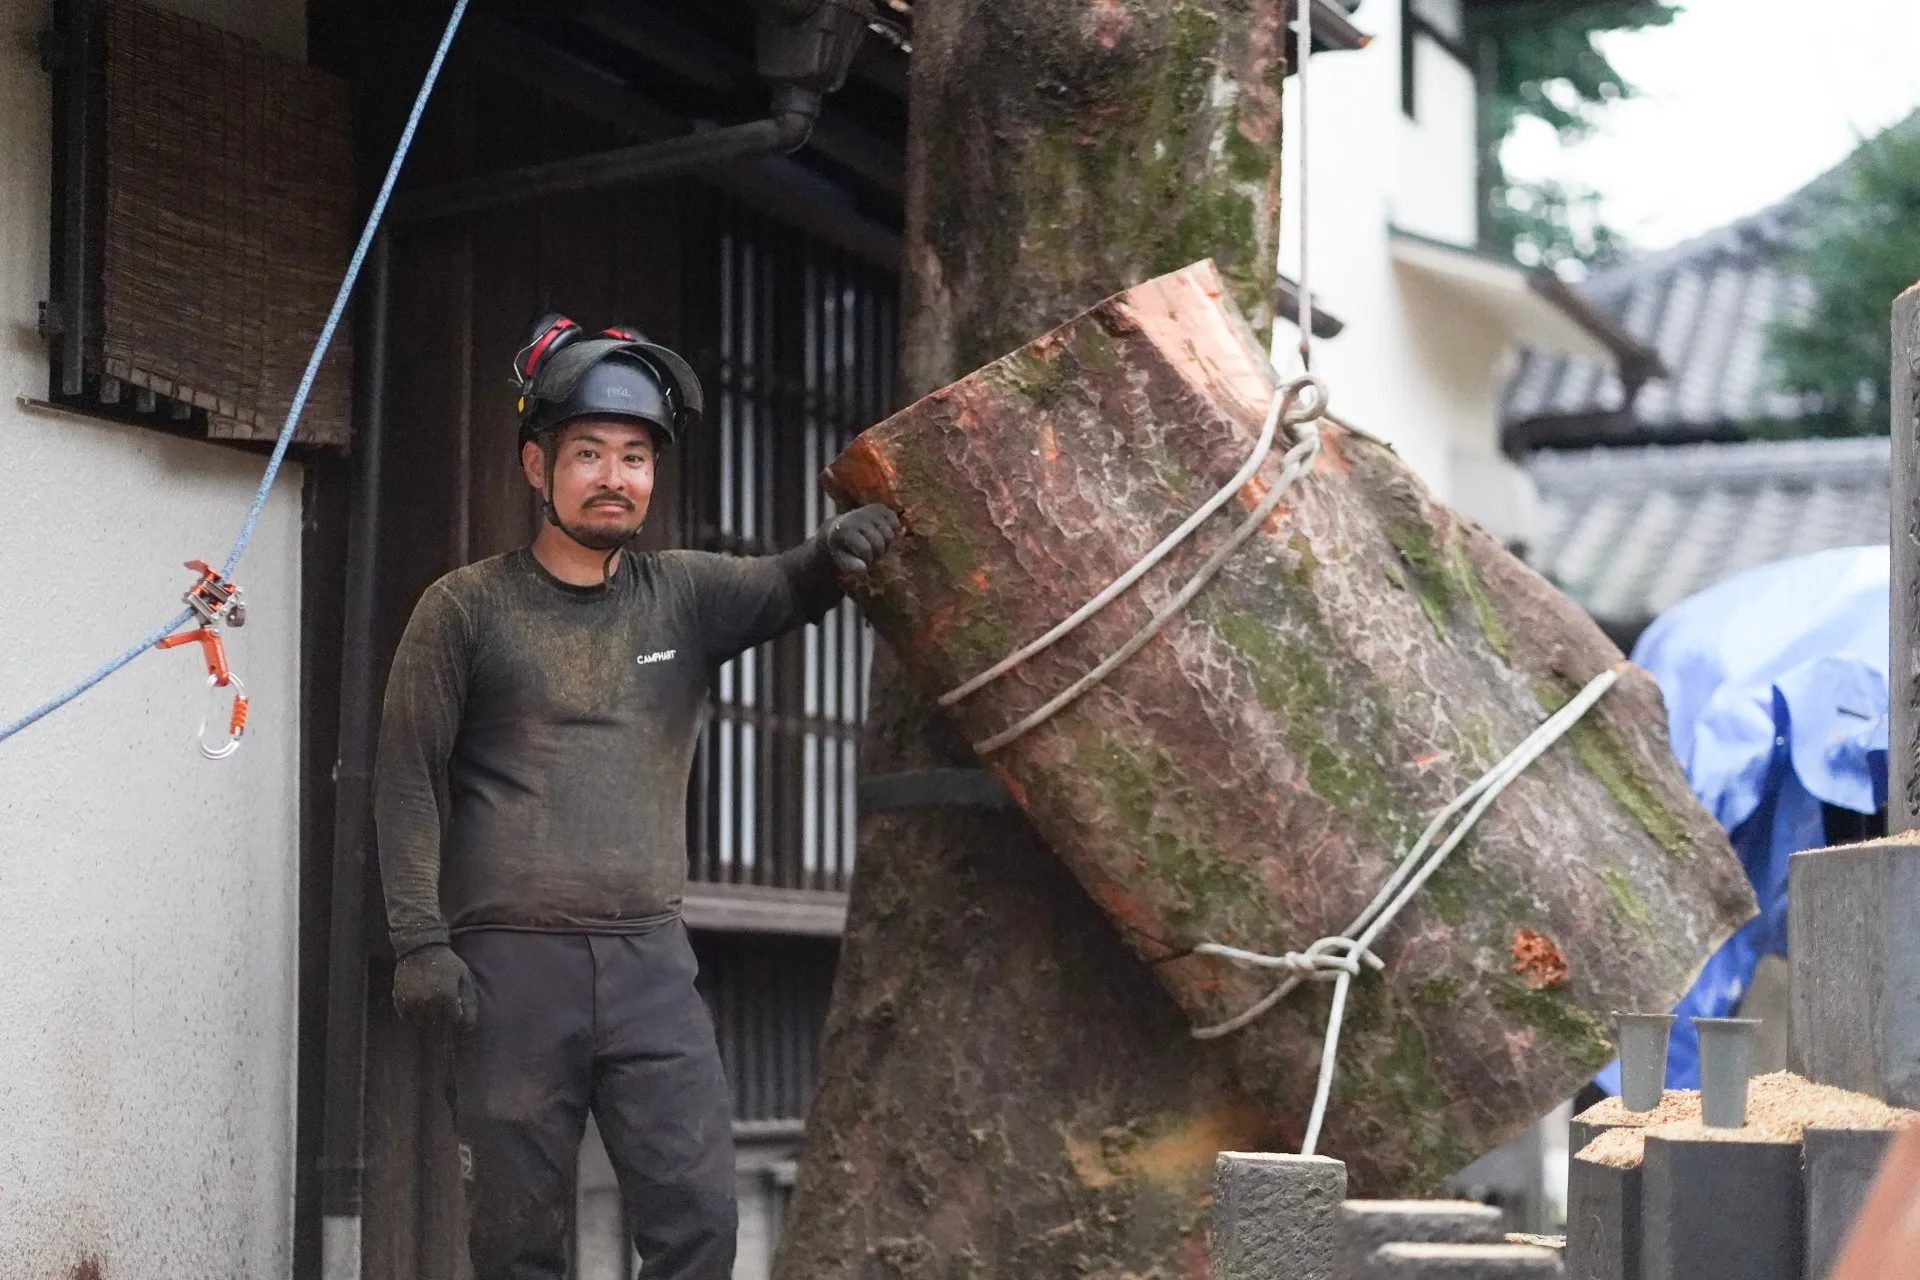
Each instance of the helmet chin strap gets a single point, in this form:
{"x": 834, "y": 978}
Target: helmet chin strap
{"x": 549, "y": 451}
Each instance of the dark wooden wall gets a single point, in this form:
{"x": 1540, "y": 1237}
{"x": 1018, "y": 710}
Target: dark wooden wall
{"x": 704, "y": 271}
{"x": 463, "y": 292}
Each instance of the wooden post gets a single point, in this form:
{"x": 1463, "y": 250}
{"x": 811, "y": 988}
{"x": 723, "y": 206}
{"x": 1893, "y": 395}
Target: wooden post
{"x": 1903, "y": 671}
{"x": 1276, "y": 1215}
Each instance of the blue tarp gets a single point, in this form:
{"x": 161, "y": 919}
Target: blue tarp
{"x": 1775, "y": 683}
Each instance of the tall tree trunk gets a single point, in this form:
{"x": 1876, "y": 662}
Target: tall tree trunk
{"x": 1005, "y": 1089}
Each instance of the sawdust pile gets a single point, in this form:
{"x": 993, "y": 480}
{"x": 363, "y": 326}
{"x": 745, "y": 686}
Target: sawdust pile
{"x": 1538, "y": 1242}
{"x": 1616, "y": 1148}
{"x": 1780, "y": 1108}
{"x": 1675, "y": 1104}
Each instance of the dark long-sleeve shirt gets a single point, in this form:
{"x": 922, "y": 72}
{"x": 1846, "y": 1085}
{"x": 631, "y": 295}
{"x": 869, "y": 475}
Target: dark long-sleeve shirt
{"x": 537, "y": 736}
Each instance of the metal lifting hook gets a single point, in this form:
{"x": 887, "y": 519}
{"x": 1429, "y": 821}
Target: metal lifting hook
{"x": 212, "y": 599}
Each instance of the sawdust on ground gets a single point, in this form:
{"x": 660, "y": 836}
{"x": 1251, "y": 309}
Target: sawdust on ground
{"x": 1675, "y": 1104}
{"x": 1538, "y": 1242}
{"x": 1621, "y": 1148}
{"x": 1781, "y": 1107}
{"x": 1892, "y": 838}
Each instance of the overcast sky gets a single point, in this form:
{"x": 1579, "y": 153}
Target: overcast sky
{"x": 1742, "y": 102}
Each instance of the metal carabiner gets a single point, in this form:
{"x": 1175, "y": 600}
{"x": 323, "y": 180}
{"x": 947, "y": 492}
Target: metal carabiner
{"x": 219, "y": 676}
{"x": 236, "y": 717}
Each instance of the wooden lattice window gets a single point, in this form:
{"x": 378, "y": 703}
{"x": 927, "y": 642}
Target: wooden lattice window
{"x": 804, "y": 362}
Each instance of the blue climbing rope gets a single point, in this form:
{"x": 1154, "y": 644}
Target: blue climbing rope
{"x": 299, "y": 403}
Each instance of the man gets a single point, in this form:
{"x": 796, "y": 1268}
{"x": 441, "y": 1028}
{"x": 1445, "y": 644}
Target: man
{"x": 539, "y": 727}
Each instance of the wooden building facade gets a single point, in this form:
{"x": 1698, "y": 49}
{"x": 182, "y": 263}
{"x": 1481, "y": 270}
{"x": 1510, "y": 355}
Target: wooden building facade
{"x": 776, "y": 277}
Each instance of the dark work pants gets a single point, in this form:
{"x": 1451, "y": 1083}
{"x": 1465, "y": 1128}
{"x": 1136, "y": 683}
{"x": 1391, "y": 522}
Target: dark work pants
{"x": 572, "y": 1023}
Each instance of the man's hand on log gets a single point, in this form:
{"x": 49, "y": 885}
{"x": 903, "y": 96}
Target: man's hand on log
{"x": 857, "y": 538}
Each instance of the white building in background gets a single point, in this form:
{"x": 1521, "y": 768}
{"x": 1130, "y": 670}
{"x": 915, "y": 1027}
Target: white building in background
{"x": 1429, "y": 328}
{"x": 1423, "y": 330}
{"x": 1651, "y": 493}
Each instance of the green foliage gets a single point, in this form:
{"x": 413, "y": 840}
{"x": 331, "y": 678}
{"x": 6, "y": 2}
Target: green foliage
{"x": 1540, "y": 60}
{"x": 1858, "y": 243}
{"x": 1550, "y": 224}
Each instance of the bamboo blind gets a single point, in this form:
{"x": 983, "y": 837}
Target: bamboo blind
{"x": 229, "y": 218}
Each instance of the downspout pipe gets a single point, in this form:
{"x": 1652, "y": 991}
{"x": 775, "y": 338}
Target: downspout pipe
{"x": 342, "y": 1145}
{"x": 803, "y": 49}
{"x": 648, "y": 161}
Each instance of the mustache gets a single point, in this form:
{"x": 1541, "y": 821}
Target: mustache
{"x": 625, "y": 502}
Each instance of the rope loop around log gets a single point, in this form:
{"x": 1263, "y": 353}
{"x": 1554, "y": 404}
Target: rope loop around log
{"x": 1338, "y": 957}
{"x": 1298, "y": 404}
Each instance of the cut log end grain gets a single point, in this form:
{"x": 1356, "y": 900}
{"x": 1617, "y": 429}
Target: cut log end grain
{"x": 1252, "y": 775}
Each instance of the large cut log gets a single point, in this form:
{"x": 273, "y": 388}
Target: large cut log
{"x": 1250, "y": 775}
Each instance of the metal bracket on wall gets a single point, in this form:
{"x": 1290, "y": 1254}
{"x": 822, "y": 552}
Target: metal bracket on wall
{"x": 73, "y": 52}
{"x": 933, "y": 788}
{"x": 69, "y": 52}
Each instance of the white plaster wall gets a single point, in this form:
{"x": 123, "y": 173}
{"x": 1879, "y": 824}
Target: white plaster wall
{"x": 1465, "y": 358}
{"x": 1411, "y": 367}
{"x": 147, "y": 896}
{"x": 1375, "y": 376}
{"x": 1436, "y": 192}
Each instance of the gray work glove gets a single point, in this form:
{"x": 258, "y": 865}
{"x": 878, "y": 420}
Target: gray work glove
{"x": 857, "y": 538}
{"x": 433, "y": 985}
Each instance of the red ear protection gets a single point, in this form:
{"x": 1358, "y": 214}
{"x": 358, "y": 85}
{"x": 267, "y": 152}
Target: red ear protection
{"x": 549, "y": 333}
{"x": 624, "y": 332}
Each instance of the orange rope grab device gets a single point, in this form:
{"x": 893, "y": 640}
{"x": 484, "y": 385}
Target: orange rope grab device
{"x": 214, "y": 600}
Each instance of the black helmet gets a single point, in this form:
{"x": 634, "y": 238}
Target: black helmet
{"x": 564, "y": 375}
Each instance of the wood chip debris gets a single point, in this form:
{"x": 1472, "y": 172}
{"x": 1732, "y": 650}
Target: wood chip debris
{"x": 1780, "y": 1108}
{"x": 1537, "y": 959}
{"x": 1616, "y": 1148}
{"x": 1675, "y": 1104}
{"x": 1539, "y": 1242}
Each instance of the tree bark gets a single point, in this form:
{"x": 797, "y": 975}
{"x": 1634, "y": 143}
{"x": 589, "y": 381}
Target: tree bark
{"x": 1005, "y": 1090}
{"x": 1251, "y": 774}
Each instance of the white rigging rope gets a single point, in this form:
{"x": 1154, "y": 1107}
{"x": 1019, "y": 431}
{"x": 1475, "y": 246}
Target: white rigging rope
{"x": 1340, "y": 955}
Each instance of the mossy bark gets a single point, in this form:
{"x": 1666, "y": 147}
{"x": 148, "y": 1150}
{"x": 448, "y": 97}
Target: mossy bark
{"x": 1061, "y": 150}
{"x": 1005, "y": 1090}
{"x": 1250, "y": 776}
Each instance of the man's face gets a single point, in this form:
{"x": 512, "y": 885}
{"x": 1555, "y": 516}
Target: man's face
{"x": 602, "y": 477}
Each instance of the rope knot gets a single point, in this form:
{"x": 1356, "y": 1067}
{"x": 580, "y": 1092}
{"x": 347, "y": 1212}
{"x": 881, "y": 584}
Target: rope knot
{"x": 1330, "y": 957}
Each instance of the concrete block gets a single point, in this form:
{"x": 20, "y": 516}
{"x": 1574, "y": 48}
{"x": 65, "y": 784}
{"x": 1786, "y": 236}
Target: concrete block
{"x": 1839, "y": 1168}
{"x": 1603, "y": 1221}
{"x": 1675, "y": 1104}
{"x": 1463, "y": 1262}
{"x": 1854, "y": 917}
{"x": 1365, "y": 1225}
{"x": 1730, "y": 1209}
{"x": 1276, "y": 1216}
